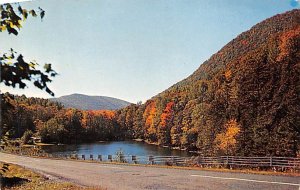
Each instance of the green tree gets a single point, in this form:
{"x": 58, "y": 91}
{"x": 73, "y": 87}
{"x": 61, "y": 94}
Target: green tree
{"x": 26, "y": 138}
{"x": 53, "y": 131}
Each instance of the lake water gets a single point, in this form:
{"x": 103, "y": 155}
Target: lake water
{"x": 110, "y": 148}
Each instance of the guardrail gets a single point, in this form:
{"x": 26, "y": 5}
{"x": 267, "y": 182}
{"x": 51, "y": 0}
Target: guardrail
{"x": 285, "y": 162}
{"x": 228, "y": 161}
{"x": 274, "y": 163}
{"x": 132, "y": 159}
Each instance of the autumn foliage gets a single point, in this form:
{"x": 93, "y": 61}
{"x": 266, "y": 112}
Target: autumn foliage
{"x": 226, "y": 141}
{"x": 166, "y": 116}
{"x": 53, "y": 123}
{"x": 244, "y": 100}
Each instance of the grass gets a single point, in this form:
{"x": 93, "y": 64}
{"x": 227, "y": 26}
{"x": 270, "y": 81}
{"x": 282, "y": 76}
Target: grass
{"x": 19, "y": 178}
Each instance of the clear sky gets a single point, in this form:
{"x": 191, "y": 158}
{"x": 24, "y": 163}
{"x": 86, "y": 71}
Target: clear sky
{"x": 130, "y": 49}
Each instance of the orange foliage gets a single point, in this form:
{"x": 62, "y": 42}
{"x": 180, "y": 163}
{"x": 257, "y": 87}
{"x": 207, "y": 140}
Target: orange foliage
{"x": 228, "y": 74}
{"x": 69, "y": 113}
{"x": 87, "y": 116}
{"x": 150, "y": 113}
{"x": 166, "y": 115}
{"x": 286, "y": 43}
{"x": 109, "y": 114}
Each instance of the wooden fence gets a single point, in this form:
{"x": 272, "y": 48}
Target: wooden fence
{"x": 228, "y": 161}
{"x": 221, "y": 161}
{"x": 285, "y": 162}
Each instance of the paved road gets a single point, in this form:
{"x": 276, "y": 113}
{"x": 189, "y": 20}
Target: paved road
{"x": 124, "y": 177}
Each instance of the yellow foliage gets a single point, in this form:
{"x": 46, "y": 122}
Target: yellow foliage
{"x": 227, "y": 139}
{"x": 2, "y": 28}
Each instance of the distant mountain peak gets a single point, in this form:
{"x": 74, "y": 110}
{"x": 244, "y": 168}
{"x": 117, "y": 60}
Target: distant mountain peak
{"x": 86, "y": 102}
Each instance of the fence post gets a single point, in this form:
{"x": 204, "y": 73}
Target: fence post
{"x": 151, "y": 160}
{"x": 122, "y": 158}
{"x": 173, "y": 161}
{"x": 271, "y": 161}
{"x": 227, "y": 162}
{"x": 133, "y": 158}
{"x": 100, "y": 158}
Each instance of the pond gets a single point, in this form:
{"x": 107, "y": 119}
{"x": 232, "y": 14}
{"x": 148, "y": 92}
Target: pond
{"x": 110, "y": 148}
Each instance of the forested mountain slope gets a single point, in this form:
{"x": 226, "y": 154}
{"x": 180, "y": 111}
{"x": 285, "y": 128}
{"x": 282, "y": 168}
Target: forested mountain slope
{"x": 244, "y": 100}
{"x": 54, "y": 123}
{"x": 85, "y": 102}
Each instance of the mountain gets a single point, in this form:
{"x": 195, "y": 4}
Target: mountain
{"x": 85, "y": 102}
{"x": 244, "y": 100}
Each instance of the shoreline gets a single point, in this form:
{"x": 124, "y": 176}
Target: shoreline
{"x": 136, "y": 140}
{"x": 38, "y": 144}
{"x": 169, "y": 147}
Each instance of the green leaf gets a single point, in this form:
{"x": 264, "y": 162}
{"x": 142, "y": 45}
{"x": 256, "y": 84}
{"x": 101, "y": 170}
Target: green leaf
{"x": 12, "y": 30}
{"x": 25, "y": 14}
{"x": 42, "y": 14}
{"x": 4, "y": 15}
{"x": 8, "y": 7}
{"x": 33, "y": 13}
{"x": 48, "y": 68}
{"x": 38, "y": 84}
{"x": 20, "y": 10}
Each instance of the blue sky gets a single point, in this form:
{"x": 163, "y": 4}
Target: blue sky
{"x": 130, "y": 49}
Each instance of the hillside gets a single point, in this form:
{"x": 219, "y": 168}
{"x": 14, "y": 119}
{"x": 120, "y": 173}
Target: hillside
{"x": 85, "y": 102}
{"x": 244, "y": 100}
{"x": 53, "y": 123}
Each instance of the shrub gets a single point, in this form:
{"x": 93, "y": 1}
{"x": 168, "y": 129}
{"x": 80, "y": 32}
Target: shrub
{"x": 26, "y": 138}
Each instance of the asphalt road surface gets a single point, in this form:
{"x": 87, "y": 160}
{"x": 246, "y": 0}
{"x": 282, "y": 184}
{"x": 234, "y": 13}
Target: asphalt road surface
{"x": 123, "y": 177}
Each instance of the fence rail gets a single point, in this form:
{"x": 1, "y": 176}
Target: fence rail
{"x": 231, "y": 161}
{"x": 222, "y": 161}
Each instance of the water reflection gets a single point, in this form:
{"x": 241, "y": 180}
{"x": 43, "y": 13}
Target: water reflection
{"x": 110, "y": 148}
